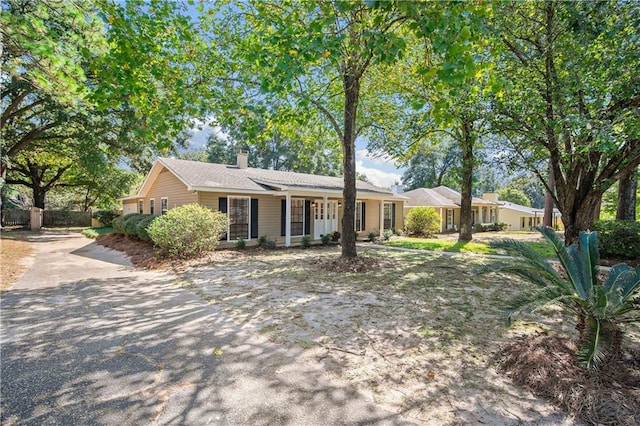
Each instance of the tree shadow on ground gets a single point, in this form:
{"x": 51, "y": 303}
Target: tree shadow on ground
{"x": 136, "y": 350}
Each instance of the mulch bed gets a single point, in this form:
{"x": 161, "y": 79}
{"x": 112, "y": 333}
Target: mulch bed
{"x": 143, "y": 255}
{"x": 140, "y": 253}
{"x": 356, "y": 264}
{"x": 546, "y": 365}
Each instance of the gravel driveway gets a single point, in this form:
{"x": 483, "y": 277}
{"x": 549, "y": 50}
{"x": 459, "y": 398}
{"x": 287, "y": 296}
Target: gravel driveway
{"x": 87, "y": 339}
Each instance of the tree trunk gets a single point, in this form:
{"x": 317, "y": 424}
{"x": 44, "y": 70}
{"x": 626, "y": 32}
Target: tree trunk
{"x": 580, "y": 218}
{"x": 38, "y": 196}
{"x": 627, "y": 188}
{"x": 352, "y": 93}
{"x": 547, "y": 220}
{"x": 467, "y": 182}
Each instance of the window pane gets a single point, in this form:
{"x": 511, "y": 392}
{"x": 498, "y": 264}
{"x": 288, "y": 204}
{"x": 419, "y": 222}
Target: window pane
{"x": 238, "y": 218}
{"x": 297, "y": 217}
{"x": 387, "y": 216}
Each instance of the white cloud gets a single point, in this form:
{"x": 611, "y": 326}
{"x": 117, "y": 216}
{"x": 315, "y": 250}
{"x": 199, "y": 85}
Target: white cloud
{"x": 201, "y": 130}
{"x": 378, "y": 177}
{"x": 382, "y": 160}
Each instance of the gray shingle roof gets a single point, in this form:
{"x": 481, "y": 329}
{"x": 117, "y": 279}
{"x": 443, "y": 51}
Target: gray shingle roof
{"x": 441, "y": 196}
{"x": 212, "y": 176}
{"x": 427, "y": 197}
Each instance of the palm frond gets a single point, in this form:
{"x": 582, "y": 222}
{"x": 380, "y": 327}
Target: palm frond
{"x": 619, "y": 275}
{"x": 595, "y": 347}
{"x": 529, "y": 273}
{"x": 575, "y": 273}
{"x": 588, "y": 263}
{"x": 533, "y": 257}
{"x": 567, "y": 257}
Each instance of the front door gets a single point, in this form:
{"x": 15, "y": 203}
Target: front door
{"x": 319, "y": 218}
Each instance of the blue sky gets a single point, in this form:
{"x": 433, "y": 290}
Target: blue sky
{"x": 380, "y": 171}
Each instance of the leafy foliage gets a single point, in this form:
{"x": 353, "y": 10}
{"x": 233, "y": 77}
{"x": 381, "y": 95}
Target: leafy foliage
{"x": 599, "y": 306}
{"x": 570, "y": 99}
{"x": 515, "y": 196}
{"x": 187, "y": 231}
{"x": 422, "y": 221}
{"x": 306, "y": 241}
{"x": 105, "y": 217}
{"x": 619, "y": 238}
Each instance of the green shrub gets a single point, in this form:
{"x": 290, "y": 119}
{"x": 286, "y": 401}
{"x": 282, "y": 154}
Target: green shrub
{"x": 422, "y": 221}
{"x": 240, "y": 243}
{"x": 373, "y": 236}
{"x": 142, "y": 227}
{"x": 117, "y": 224}
{"x": 265, "y": 242}
{"x": 387, "y": 234}
{"x": 618, "y": 238}
{"x": 326, "y": 239}
{"x": 131, "y": 225}
{"x": 306, "y": 241}
{"x": 105, "y": 217}
{"x": 489, "y": 227}
{"x": 120, "y": 223}
{"x": 187, "y": 231}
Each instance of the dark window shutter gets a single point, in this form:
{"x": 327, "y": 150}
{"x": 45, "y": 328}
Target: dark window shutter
{"x": 393, "y": 215}
{"x": 254, "y": 218}
{"x": 283, "y": 217}
{"x": 222, "y": 207}
{"x": 364, "y": 214}
{"x": 307, "y": 217}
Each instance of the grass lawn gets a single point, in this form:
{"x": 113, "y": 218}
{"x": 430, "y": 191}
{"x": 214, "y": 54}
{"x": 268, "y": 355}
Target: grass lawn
{"x": 450, "y": 245}
{"x": 441, "y": 245}
{"x": 97, "y": 232}
{"x": 14, "y": 246}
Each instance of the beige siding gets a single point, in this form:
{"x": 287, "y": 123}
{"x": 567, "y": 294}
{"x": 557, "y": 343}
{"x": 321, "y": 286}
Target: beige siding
{"x": 514, "y": 219}
{"x": 168, "y": 185}
{"x": 268, "y": 211}
{"x": 372, "y": 217}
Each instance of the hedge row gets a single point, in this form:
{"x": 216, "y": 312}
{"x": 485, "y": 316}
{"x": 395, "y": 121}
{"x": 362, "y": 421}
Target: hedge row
{"x": 490, "y": 227}
{"x": 618, "y": 238}
{"x": 134, "y": 225}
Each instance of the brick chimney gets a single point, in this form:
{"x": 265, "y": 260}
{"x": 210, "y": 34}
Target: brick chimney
{"x": 243, "y": 160}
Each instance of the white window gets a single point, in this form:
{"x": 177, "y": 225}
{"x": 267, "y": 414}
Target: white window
{"x": 152, "y": 206}
{"x": 239, "y": 218}
{"x": 388, "y": 215}
{"x": 297, "y": 217}
{"x": 164, "y": 205}
{"x": 359, "y": 216}
{"x": 141, "y": 206}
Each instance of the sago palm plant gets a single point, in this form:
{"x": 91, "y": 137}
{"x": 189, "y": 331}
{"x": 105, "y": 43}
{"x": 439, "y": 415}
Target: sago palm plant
{"x": 600, "y": 306}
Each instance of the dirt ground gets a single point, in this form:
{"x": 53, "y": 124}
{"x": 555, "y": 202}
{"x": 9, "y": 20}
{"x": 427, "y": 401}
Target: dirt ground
{"x": 15, "y": 251}
{"x": 418, "y": 333}
{"x": 415, "y": 333}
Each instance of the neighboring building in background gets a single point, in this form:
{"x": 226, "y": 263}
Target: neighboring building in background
{"x": 284, "y": 206}
{"x": 521, "y": 218}
{"x": 446, "y": 202}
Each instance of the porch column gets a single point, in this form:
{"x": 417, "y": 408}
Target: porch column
{"x": 381, "y": 217}
{"x": 325, "y": 206}
{"x": 287, "y": 223}
{"x": 443, "y": 220}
